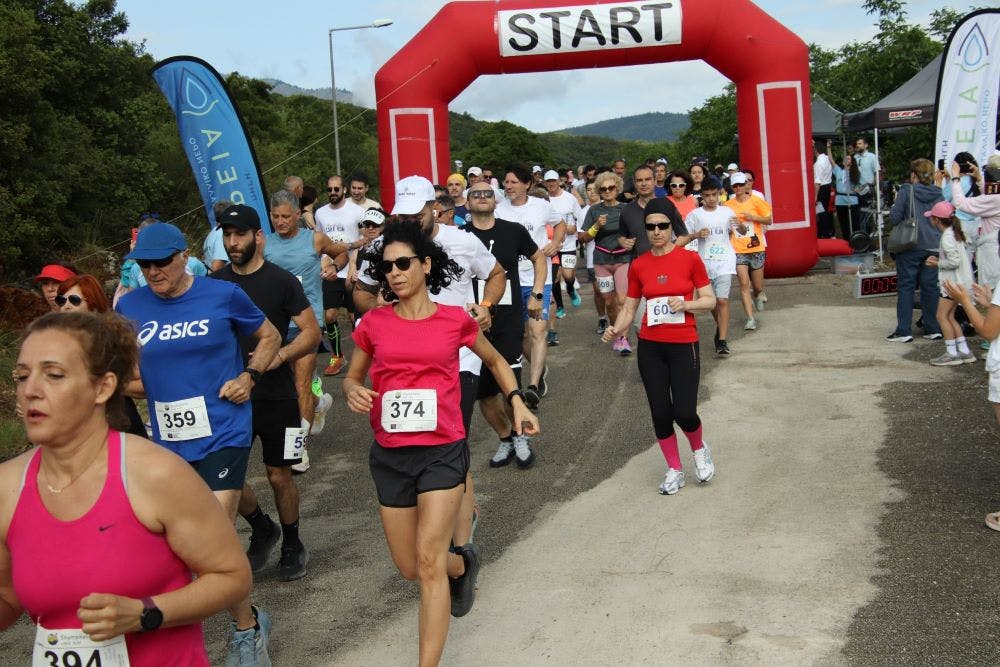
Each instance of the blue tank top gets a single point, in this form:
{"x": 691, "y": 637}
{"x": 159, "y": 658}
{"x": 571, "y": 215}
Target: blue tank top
{"x": 298, "y": 256}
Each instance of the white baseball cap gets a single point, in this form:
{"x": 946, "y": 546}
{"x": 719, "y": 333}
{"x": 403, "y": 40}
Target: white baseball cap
{"x": 732, "y": 167}
{"x": 739, "y": 178}
{"x": 536, "y": 169}
{"x": 551, "y": 175}
{"x": 475, "y": 171}
{"x": 412, "y": 194}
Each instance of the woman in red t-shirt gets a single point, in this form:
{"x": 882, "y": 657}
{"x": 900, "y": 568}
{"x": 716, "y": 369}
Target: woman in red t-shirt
{"x": 674, "y": 283}
{"x": 419, "y": 459}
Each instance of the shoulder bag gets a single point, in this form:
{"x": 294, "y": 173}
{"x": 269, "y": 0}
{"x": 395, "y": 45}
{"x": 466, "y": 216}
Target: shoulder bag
{"x": 903, "y": 237}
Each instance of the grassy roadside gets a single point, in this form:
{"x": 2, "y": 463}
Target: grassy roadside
{"x": 13, "y": 440}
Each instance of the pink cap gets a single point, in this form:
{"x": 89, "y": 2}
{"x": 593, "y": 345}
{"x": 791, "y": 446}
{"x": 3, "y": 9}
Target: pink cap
{"x": 941, "y": 210}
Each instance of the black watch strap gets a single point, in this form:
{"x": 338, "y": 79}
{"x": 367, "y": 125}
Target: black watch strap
{"x": 253, "y": 373}
{"x": 511, "y": 395}
{"x": 151, "y": 617}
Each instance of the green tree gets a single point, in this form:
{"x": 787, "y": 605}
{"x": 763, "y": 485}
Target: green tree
{"x": 500, "y": 144}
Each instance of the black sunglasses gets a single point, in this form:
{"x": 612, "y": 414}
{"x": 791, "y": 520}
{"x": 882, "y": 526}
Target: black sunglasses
{"x": 158, "y": 263}
{"x": 481, "y": 194}
{"x": 401, "y": 263}
{"x": 368, "y": 224}
{"x": 662, "y": 226}
{"x": 608, "y": 188}
{"x": 74, "y": 299}
{"x": 333, "y": 189}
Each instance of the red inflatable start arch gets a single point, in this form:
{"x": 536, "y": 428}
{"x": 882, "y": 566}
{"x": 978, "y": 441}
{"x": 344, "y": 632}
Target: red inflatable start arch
{"x": 767, "y": 62}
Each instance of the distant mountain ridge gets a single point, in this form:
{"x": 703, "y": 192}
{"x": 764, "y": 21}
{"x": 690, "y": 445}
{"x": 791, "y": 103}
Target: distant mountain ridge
{"x": 653, "y": 126}
{"x": 281, "y": 88}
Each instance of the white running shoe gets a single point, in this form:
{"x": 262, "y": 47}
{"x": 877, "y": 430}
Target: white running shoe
{"x": 523, "y": 455}
{"x": 703, "y": 466}
{"x": 672, "y": 482}
{"x": 303, "y": 465}
{"x": 751, "y": 325}
{"x": 323, "y": 404}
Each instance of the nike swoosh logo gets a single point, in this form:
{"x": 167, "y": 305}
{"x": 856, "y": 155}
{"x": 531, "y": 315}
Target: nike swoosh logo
{"x": 104, "y": 528}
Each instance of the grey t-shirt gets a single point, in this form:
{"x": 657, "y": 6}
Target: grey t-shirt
{"x": 634, "y": 226}
{"x": 606, "y": 241}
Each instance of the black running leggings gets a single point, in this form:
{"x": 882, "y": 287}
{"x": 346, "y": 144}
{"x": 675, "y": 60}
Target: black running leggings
{"x": 670, "y": 374}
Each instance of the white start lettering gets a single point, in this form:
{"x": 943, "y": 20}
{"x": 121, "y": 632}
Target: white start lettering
{"x": 592, "y": 27}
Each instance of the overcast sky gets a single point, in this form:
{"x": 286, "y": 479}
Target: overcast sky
{"x": 289, "y": 42}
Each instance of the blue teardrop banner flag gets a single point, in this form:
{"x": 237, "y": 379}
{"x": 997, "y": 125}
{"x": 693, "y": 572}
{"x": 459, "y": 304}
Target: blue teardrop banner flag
{"x": 213, "y": 135}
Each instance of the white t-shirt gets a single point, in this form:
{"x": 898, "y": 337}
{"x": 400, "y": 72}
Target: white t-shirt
{"x": 822, "y": 170}
{"x": 568, "y": 209}
{"x": 477, "y": 263}
{"x": 341, "y": 225}
{"x": 993, "y": 356}
{"x": 716, "y": 249}
{"x": 533, "y": 215}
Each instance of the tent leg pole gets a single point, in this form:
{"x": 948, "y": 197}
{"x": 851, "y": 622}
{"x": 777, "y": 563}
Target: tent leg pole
{"x": 878, "y": 200}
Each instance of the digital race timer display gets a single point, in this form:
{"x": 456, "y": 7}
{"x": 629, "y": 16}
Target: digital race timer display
{"x": 875, "y": 284}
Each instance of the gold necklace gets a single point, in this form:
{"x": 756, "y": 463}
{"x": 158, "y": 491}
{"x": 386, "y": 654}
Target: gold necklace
{"x": 73, "y": 479}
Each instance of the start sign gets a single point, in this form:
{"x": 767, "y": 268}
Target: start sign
{"x": 530, "y": 32}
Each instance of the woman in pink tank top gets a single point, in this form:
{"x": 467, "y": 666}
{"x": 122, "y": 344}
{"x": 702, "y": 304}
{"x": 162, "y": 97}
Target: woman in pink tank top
{"x": 114, "y": 546}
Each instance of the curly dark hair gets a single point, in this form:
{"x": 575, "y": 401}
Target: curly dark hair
{"x": 443, "y": 269}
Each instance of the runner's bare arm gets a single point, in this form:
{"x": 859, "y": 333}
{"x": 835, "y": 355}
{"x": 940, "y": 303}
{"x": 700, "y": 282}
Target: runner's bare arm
{"x": 169, "y": 497}
{"x": 365, "y": 296}
{"x": 360, "y": 399}
{"x": 304, "y": 343}
{"x": 624, "y": 321}
{"x": 525, "y": 421}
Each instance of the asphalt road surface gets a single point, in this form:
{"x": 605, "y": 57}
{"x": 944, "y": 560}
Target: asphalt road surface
{"x": 844, "y": 524}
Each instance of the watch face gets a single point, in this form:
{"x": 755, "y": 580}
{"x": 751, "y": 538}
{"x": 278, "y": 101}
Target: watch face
{"x": 151, "y": 619}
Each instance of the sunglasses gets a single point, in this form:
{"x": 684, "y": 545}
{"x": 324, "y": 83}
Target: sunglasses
{"x": 158, "y": 263}
{"x": 662, "y": 226}
{"x": 608, "y": 188}
{"x": 333, "y": 189}
{"x": 678, "y": 185}
{"x": 401, "y": 263}
{"x": 72, "y": 298}
{"x": 368, "y": 224}
{"x": 481, "y": 194}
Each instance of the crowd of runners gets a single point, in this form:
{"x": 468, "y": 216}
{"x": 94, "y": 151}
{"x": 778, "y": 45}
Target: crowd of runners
{"x": 452, "y": 297}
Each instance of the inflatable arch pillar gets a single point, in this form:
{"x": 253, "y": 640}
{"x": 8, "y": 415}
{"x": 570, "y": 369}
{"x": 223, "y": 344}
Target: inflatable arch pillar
{"x": 767, "y": 62}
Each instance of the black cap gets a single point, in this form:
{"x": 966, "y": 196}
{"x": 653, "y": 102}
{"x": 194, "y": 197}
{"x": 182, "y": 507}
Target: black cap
{"x": 659, "y": 205}
{"x": 241, "y": 217}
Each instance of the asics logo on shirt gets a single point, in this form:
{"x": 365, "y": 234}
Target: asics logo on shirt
{"x": 171, "y": 331}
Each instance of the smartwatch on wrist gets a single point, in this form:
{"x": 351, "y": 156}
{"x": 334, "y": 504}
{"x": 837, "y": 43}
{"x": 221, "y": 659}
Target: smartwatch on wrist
{"x": 151, "y": 617}
{"x": 511, "y": 395}
{"x": 253, "y": 373}
{"x": 539, "y": 295}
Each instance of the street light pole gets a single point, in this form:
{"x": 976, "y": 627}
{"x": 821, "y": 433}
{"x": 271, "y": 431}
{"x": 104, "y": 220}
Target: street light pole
{"x": 378, "y": 23}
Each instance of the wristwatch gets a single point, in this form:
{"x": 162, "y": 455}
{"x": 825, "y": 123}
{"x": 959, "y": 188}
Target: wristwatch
{"x": 151, "y": 617}
{"x": 511, "y": 395}
{"x": 253, "y": 373}
{"x": 538, "y": 295}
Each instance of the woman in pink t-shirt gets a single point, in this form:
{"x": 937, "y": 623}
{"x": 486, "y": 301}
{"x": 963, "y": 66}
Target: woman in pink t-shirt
{"x": 420, "y": 458}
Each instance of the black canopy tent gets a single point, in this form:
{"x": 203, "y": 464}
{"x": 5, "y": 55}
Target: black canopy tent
{"x": 911, "y": 104}
{"x": 825, "y": 119}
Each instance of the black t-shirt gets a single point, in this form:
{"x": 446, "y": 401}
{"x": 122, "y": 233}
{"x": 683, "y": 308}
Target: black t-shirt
{"x": 510, "y": 243}
{"x": 633, "y": 224}
{"x": 280, "y": 296}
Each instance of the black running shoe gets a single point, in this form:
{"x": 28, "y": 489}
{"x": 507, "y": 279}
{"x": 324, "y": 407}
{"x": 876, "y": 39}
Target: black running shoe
{"x": 463, "y": 589}
{"x": 602, "y": 324}
{"x": 532, "y": 397}
{"x": 722, "y": 348}
{"x": 543, "y": 388}
{"x": 261, "y": 544}
{"x": 293, "y": 561}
